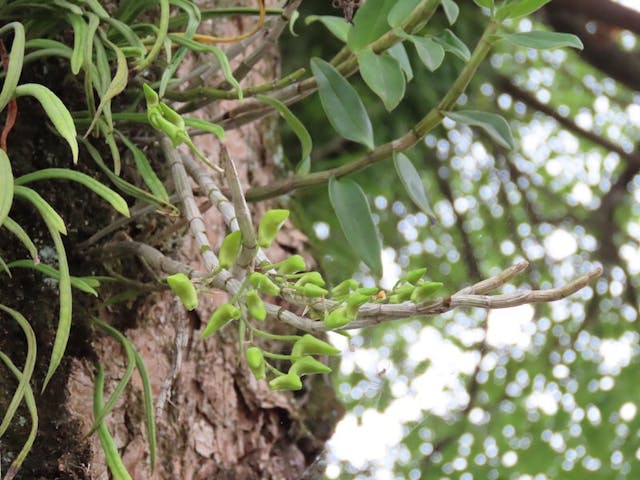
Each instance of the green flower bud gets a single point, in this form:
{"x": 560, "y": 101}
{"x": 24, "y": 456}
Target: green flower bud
{"x": 293, "y": 264}
{"x": 368, "y": 290}
{"x": 150, "y": 96}
{"x": 413, "y": 276}
{"x": 337, "y": 318}
{"x": 230, "y": 249}
{"x": 255, "y": 361}
{"x": 311, "y": 277}
{"x": 424, "y": 291}
{"x": 394, "y": 299}
{"x": 307, "y": 366}
{"x": 271, "y": 222}
{"x": 311, "y": 290}
{"x": 255, "y": 305}
{"x": 354, "y": 302}
{"x": 289, "y": 381}
{"x": 263, "y": 284}
{"x": 344, "y": 288}
{"x": 184, "y": 289}
{"x": 310, "y": 345}
{"x": 404, "y": 292}
{"x": 219, "y": 318}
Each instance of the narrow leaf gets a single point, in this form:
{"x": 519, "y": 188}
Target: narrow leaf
{"x": 430, "y": 52}
{"x": 46, "y": 210}
{"x": 56, "y": 111}
{"x": 412, "y": 183}
{"x": 354, "y": 214}
{"x": 296, "y": 125}
{"x": 451, "y": 10}
{"x": 16, "y": 58}
{"x": 21, "y": 235}
{"x": 369, "y": 23}
{"x": 51, "y": 272}
{"x": 205, "y": 126}
{"x": 6, "y": 186}
{"x": 496, "y": 126}
{"x": 383, "y": 75}
{"x": 338, "y": 26}
{"x": 544, "y": 40}
{"x": 80, "y": 28}
{"x": 342, "y": 105}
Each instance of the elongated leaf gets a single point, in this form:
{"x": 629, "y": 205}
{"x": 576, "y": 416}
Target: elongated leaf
{"x": 51, "y": 272}
{"x": 19, "y": 232}
{"x": 296, "y": 125}
{"x": 149, "y": 412}
{"x": 115, "y": 200}
{"x": 400, "y": 54}
{"x": 161, "y": 35}
{"x": 4, "y": 267}
{"x": 354, "y": 214}
{"x": 6, "y": 186}
{"x": 400, "y": 11}
{"x": 383, "y": 75}
{"x": 496, "y": 126}
{"x": 338, "y": 26}
{"x": 412, "y": 183}
{"x": 430, "y": 52}
{"x": 79, "y": 38}
{"x": 451, "y": 10}
{"x": 46, "y": 210}
{"x": 16, "y": 57}
{"x": 520, "y": 8}
{"x": 369, "y": 23}
{"x": 33, "y": 413}
{"x": 146, "y": 171}
{"x": 342, "y": 105}
{"x": 544, "y": 40}
{"x": 26, "y": 372}
{"x": 205, "y": 126}
{"x": 451, "y": 43}
{"x": 56, "y": 111}
{"x": 114, "y": 461}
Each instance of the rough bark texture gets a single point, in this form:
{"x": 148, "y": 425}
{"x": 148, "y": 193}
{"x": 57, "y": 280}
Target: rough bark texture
{"x": 214, "y": 420}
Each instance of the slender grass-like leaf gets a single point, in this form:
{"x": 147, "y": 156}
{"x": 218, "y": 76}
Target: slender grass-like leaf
{"x": 33, "y": 413}
{"x": 146, "y": 171}
{"x": 56, "y": 111}
{"x": 354, "y": 214}
{"x": 126, "y": 376}
{"x": 4, "y": 267}
{"x": 341, "y": 104}
{"x": 6, "y": 186}
{"x": 90, "y": 70}
{"x": 27, "y": 371}
{"x": 149, "y": 414}
{"x": 383, "y": 75}
{"x": 46, "y": 210}
{"x": 79, "y": 38}
{"x": 48, "y": 270}
{"x": 338, "y": 26}
{"x": 163, "y": 28}
{"x": 296, "y": 125}
{"x": 225, "y": 66}
{"x": 412, "y": 183}
{"x": 115, "y": 200}
{"x": 114, "y": 461}
{"x": 16, "y": 57}
{"x": 370, "y": 23}
{"x": 543, "y": 40}
{"x": 21, "y": 235}
{"x": 495, "y": 125}
{"x": 68, "y": 6}
{"x": 205, "y": 126}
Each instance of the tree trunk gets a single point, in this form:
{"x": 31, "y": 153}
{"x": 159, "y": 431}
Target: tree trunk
{"x": 214, "y": 420}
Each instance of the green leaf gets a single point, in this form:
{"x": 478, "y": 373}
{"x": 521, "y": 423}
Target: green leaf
{"x": 484, "y": 3}
{"x": 16, "y": 58}
{"x": 496, "y": 126}
{"x": 520, "y": 8}
{"x": 205, "y": 126}
{"x": 296, "y": 125}
{"x": 51, "y": 272}
{"x": 383, "y": 75}
{"x": 6, "y": 186}
{"x": 369, "y": 23}
{"x": 430, "y": 52}
{"x": 19, "y": 232}
{"x": 400, "y": 54}
{"x": 451, "y": 43}
{"x": 451, "y": 10}
{"x": 116, "y": 201}
{"x": 338, "y": 26}
{"x": 543, "y": 40}
{"x": 412, "y": 183}
{"x": 354, "y": 214}
{"x": 56, "y": 111}
{"x": 342, "y": 105}
{"x": 80, "y": 28}
{"x": 400, "y": 11}
{"x": 46, "y": 210}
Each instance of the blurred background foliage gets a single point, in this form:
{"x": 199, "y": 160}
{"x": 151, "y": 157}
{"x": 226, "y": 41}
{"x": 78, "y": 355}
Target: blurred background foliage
{"x": 529, "y": 393}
